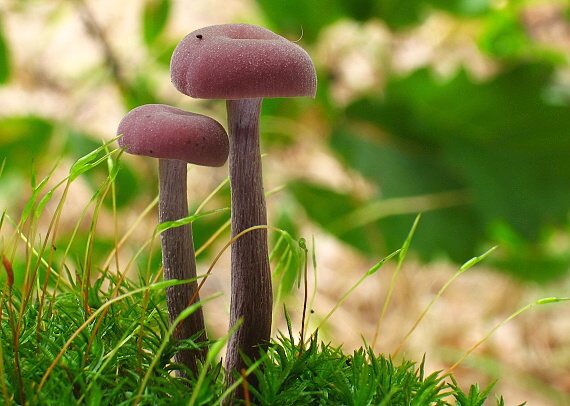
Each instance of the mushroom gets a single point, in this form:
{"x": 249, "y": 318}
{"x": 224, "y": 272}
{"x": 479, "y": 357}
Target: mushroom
{"x": 176, "y": 137}
{"x": 244, "y": 63}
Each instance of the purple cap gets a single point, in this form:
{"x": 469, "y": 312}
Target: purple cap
{"x": 165, "y": 132}
{"x": 240, "y": 61}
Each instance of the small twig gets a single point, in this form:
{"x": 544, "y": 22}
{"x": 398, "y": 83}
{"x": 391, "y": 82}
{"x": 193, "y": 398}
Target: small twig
{"x": 245, "y": 387}
{"x": 111, "y": 60}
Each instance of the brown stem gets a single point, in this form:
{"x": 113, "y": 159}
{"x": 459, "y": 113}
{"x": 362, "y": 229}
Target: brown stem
{"x": 178, "y": 257}
{"x": 251, "y": 293}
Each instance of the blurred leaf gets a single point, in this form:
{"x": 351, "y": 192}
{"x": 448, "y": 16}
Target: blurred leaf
{"x": 286, "y": 221}
{"x": 288, "y": 16}
{"x": 360, "y": 10}
{"x": 400, "y": 169}
{"x": 501, "y": 141}
{"x": 417, "y": 174}
{"x": 463, "y": 7}
{"x": 300, "y": 18}
{"x": 280, "y": 120}
{"x": 452, "y": 233}
{"x": 325, "y": 207}
{"x": 397, "y": 15}
{"x": 164, "y": 53}
{"x": 4, "y": 56}
{"x": 140, "y": 91}
{"x": 155, "y": 17}
{"x": 530, "y": 261}
{"x": 505, "y": 36}
{"x": 22, "y": 139}
{"x": 80, "y": 144}
{"x": 533, "y": 264}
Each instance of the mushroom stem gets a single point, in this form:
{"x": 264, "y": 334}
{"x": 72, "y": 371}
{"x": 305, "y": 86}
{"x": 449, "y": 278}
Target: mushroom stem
{"x": 251, "y": 293}
{"x": 178, "y": 257}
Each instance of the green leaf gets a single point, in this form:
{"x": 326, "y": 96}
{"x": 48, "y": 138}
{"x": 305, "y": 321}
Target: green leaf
{"x": 393, "y": 13}
{"x": 501, "y": 143}
{"x": 398, "y": 16}
{"x": 140, "y": 91}
{"x": 300, "y": 18}
{"x": 155, "y": 17}
{"x": 412, "y": 179}
{"x": 128, "y": 184}
{"x": 360, "y": 10}
{"x": 504, "y": 35}
{"x": 463, "y": 7}
{"x": 288, "y": 17}
{"x": 163, "y": 53}
{"x": 4, "y": 56}
{"x": 325, "y": 206}
{"x": 23, "y": 139}
{"x": 90, "y": 160}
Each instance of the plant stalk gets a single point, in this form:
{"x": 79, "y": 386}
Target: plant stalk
{"x": 251, "y": 292}
{"x": 178, "y": 257}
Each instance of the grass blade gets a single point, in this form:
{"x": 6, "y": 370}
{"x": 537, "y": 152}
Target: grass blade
{"x": 512, "y": 316}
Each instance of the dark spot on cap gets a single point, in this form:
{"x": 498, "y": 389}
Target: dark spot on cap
{"x": 150, "y": 151}
{"x": 199, "y": 36}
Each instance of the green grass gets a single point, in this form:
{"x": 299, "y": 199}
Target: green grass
{"x": 77, "y": 333}
{"x": 119, "y": 355}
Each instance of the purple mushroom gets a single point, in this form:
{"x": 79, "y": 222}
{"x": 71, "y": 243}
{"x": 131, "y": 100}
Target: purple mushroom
{"x": 176, "y": 137}
{"x": 243, "y": 63}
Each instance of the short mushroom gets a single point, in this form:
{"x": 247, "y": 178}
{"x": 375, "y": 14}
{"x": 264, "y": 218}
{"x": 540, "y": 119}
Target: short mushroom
{"x": 176, "y": 137}
{"x": 243, "y": 63}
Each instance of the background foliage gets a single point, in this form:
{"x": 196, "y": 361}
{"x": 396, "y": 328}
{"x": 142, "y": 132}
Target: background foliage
{"x": 498, "y": 144}
{"x": 475, "y": 134}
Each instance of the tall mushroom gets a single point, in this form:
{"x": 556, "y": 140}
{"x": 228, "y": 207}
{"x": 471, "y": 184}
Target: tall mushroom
{"x": 243, "y": 63}
{"x": 176, "y": 137}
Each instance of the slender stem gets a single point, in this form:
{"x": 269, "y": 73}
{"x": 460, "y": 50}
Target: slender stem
{"x": 178, "y": 256}
{"x": 251, "y": 293}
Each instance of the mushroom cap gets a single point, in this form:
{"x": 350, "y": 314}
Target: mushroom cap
{"x": 165, "y": 132}
{"x": 240, "y": 61}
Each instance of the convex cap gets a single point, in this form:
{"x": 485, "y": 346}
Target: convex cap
{"x": 240, "y": 61}
{"x": 165, "y": 132}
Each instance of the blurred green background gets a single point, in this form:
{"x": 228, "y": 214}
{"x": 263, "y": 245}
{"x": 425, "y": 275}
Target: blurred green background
{"x": 456, "y": 109}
